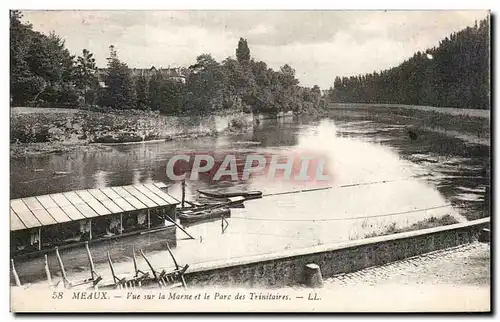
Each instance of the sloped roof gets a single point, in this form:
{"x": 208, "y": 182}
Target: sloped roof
{"x": 63, "y": 207}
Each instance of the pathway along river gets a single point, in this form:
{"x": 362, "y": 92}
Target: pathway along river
{"x": 429, "y": 172}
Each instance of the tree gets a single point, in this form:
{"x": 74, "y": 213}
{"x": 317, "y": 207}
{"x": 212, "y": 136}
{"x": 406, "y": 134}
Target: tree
{"x": 205, "y": 85}
{"x": 242, "y": 51}
{"x": 155, "y": 92}
{"x": 454, "y": 74}
{"x": 86, "y": 76}
{"x": 23, "y": 84}
{"x": 142, "y": 90}
{"x": 173, "y": 97}
{"x": 241, "y": 85}
{"x": 120, "y": 90}
{"x": 42, "y": 69}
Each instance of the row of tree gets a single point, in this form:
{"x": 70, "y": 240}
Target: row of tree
{"x": 44, "y": 73}
{"x": 231, "y": 85}
{"x": 454, "y": 74}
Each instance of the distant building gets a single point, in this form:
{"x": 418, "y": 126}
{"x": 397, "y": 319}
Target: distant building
{"x": 178, "y": 74}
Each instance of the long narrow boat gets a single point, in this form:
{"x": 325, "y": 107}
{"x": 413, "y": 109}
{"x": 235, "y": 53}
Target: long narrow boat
{"x": 190, "y": 216}
{"x": 112, "y": 219}
{"x": 213, "y": 211}
{"x": 223, "y": 195}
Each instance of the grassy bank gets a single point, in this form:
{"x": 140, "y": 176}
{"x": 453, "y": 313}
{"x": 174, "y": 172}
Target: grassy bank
{"x": 473, "y": 125}
{"x": 423, "y": 224}
{"x": 39, "y": 130}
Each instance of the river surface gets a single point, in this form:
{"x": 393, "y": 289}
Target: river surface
{"x": 379, "y": 176}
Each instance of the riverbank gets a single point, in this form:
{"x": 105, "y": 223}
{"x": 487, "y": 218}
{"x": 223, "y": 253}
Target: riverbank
{"x": 470, "y": 125}
{"x": 36, "y": 131}
{"x": 40, "y": 131}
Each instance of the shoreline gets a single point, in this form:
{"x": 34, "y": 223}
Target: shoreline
{"x": 34, "y": 132}
{"x": 60, "y": 145}
{"x": 18, "y": 150}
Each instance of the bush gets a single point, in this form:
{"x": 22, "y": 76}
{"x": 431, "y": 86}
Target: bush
{"x": 238, "y": 123}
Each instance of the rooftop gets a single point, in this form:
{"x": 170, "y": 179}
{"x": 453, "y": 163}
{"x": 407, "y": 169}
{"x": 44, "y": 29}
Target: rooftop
{"x": 63, "y": 207}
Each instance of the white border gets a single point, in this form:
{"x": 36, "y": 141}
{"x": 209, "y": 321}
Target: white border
{"x": 185, "y": 4}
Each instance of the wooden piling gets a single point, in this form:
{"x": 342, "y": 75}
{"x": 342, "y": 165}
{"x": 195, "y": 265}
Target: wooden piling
{"x": 39, "y": 238}
{"x": 180, "y": 272}
{"x": 172, "y": 255}
{"x": 115, "y": 278}
{"x": 222, "y": 221}
{"x": 93, "y": 273}
{"x": 14, "y": 272}
{"x": 61, "y": 266}
{"x": 47, "y": 270}
{"x": 183, "y": 185}
{"x": 136, "y": 270}
{"x": 178, "y": 226}
{"x": 312, "y": 276}
{"x": 149, "y": 264}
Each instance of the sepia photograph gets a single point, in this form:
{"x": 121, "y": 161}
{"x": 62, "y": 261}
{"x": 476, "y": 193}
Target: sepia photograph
{"x": 250, "y": 161}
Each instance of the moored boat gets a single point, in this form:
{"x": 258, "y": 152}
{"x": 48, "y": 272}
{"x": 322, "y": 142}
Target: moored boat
{"x": 191, "y": 216}
{"x": 223, "y": 195}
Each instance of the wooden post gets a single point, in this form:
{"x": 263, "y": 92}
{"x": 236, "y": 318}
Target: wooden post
{"x": 112, "y": 269}
{"x": 149, "y": 219}
{"x": 183, "y": 185}
{"x": 178, "y": 226}
{"x": 121, "y": 223}
{"x": 40, "y": 238}
{"x": 90, "y": 229}
{"x": 135, "y": 262}
{"x": 61, "y": 266}
{"x": 172, "y": 255}
{"x": 16, "y": 277}
{"x": 89, "y": 255}
{"x": 222, "y": 221}
{"x": 181, "y": 274}
{"x": 149, "y": 264}
{"x": 312, "y": 276}
{"x": 47, "y": 270}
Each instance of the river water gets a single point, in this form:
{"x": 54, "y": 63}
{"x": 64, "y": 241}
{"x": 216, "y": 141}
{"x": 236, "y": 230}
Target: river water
{"x": 379, "y": 177}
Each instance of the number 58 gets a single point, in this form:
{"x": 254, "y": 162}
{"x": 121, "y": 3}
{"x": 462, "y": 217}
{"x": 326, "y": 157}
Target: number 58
{"x": 57, "y": 295}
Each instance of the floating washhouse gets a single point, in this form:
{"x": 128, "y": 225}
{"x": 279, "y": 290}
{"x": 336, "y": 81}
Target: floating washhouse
{"x": 112, "y": 219}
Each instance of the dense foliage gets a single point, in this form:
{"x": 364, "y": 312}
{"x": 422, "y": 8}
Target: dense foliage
{"x": 43, "y": 73}
{"x": 454, "y": 74}
{"x": 42, "y": 69}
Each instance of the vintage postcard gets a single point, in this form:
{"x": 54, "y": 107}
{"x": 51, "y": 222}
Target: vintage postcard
{"x": 250, "y": 161}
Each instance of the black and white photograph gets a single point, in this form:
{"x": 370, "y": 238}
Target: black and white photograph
{"x": 250, "y": 160}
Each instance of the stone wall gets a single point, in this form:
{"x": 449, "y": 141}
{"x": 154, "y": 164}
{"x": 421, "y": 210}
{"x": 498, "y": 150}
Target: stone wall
{"x": 286, "y": 268}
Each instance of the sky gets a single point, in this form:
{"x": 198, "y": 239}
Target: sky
{"x": 319, "y": 45}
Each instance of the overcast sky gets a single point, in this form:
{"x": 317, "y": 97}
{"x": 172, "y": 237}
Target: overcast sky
{"x": 318, "y": 44}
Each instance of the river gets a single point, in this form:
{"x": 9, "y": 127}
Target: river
{"x": 379, "y": 177}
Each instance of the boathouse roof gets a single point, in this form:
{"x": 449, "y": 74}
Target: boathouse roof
{"x": 63, "y": 207}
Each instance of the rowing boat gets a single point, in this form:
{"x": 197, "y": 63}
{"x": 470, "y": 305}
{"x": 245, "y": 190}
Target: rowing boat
{"x": 190, "y": 216}
{"x": 223, "y": 195}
